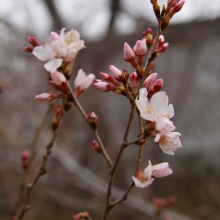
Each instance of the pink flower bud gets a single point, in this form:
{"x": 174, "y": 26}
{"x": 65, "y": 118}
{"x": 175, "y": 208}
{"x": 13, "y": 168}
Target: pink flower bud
{"x": 115, "y": 72}
{"x": 24, "y": 156}
{"x": 34, "y": 41}
{"x": 58, "y": 78}
{"x": 149, "y": 82}
{"x": 101, "y": 86}
{"x": 47, "y": 96}
{"x": 140, "y": 48}
{"x": 92, "y": 119}
{"x": 29, "y": 48}
{"x": 128, "y": 52}
{"x": 134, "y": 79}
{"x": 158, "y": 84}
{"x": 105, "y": 76}
{"x": 95, "y": 146}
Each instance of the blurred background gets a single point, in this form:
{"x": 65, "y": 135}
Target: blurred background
{"x": 76, "y": 175}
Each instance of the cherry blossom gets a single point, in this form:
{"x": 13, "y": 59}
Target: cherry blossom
{"x": 146, "y": 177}
{"x": 168, "y": 142}
{"x": 163, "y": 124}
{"x": 157, "y": 105}
{"x": 82, "y": 82}
{"x": 59, "y": 48}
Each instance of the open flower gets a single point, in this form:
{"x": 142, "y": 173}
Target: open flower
{"x": 82, "y": 82}
{"x": 59, "y": 48}
{"x": 157, "y": 105}
{"x": 146, "y": 177}
{"x": 168, "y": 142}
{"x": 163, "y": 124}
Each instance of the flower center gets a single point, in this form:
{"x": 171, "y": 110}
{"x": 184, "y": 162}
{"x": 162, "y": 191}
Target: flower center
{"x": 141, "y": 176}
{"x": 164, "y": 140}
{"x": 149, "y": 109}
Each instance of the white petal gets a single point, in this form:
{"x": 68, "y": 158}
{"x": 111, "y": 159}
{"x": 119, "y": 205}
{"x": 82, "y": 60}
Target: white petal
{"x": 43, "y": 53}
{"x": 80, "y": 78}
{"x": 52, "y": 65}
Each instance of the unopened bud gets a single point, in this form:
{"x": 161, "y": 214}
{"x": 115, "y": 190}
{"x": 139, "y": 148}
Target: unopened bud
{"x": 24, "y": 157}
{"x": 33, "y": 41}
{"x": 58, "y": 112}
{"x": 92, "y": 119}
{"x": 158, "y": 84}
{"x": 171, "y": 200}
{"x": 115, "y": 72}
{"x": 134, "y": 79}
{"x": 81, "y": 216}
{"x": 95, "y": 146}
{"x": 28, "y": 49}
{"x": 156, "y": 8}
{"x": 128, "y": 53}
{"x": 148, "y": 35}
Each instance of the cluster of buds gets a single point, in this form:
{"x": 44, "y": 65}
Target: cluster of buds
{"x": 173, "y": 6}
{"x": 121, "y": 81}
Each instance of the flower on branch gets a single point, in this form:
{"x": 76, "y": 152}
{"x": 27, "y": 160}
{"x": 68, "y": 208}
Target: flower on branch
{"x": 47, "y": 96}
{"x": 146, "y": 177}
{"x": 140, "y": 48}
{"x": 157, "y": 105}
{"x": 163, "y": 124}
{"x": 82, "y": 82}
{"x": 59, "y": 48}
{"x": 58, "y": 78}
{"x": 168, "y": 142}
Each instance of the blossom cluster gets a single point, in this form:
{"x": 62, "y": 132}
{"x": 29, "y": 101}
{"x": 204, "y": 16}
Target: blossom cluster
{"x": 150, "y": 101}
{"x": 60, "y": 52}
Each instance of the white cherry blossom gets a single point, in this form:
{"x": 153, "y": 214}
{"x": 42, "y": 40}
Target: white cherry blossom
{"x": 157, "y": 105}
{"x": 168, "y": 142}
{"x": 146, "y": 177}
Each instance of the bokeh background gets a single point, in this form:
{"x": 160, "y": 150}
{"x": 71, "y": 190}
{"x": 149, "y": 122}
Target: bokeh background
{"x": 76, "y": 175}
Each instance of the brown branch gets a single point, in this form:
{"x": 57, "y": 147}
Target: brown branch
{"x": 95, "y": 131}
{"x": 41, "y": 172}
{"x": 27, "y": 166}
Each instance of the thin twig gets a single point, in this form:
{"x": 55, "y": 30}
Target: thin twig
{"x": 151, "y": 55}
{"x": 27, "y": 166}
{"x": 41, "y": 172}
{"x": 95, "y": 131}
{"x": 113, "y": 170}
